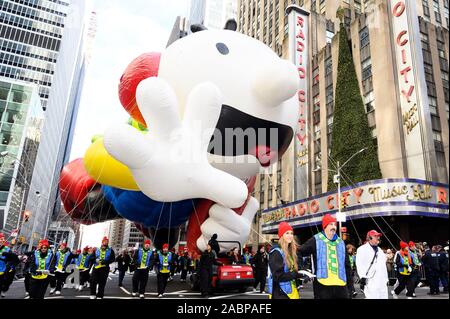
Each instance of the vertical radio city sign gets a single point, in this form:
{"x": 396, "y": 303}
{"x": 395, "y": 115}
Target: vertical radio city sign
{"x": 298, "y": 54}
{"x": 412, "y": 94}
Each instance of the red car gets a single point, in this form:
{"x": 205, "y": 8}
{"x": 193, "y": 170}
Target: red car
{"x": 227, "y": 276}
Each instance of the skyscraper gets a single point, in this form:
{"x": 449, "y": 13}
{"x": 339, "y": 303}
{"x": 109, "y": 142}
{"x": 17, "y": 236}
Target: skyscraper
{"x": 21, "y": 122}
{"x": 30, "y": 39}
{"x": 43, "y": 199}
{"x": 212, "y": 13}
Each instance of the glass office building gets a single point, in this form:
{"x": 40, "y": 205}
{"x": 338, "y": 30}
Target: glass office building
{"x": 30, "y": 38}
{"x": 21, "y": 120}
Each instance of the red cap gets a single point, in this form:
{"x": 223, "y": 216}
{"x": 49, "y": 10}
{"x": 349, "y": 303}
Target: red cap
{"x": 373, "y": 233}
{"x": 105, "y": 239}
{"x": 86, "y": 248}
{"x": 2, "y": 235}
{"x": 282, "y": 228}
{"x": 327, "y": 219}
{"x": 411, "y": 244}
{"x": 43, "y": 242}
{"x": 63, "y": 244}
{"x": 246, "y": 249}
{"x": 78, "y": 251}
{"x": 165, "y": 246}
{"x": 147, "y": 242}
{"x": 403, "y": 245}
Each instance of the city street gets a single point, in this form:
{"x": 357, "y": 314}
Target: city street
{"x": 177, "y": 290}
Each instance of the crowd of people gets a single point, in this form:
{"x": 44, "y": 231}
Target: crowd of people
{"x": 280, "y": 269}
{"x": 337, "y": 267}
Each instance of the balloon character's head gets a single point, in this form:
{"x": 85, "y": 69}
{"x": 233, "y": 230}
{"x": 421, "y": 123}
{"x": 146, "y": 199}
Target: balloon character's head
{"x": 260, "y": 104}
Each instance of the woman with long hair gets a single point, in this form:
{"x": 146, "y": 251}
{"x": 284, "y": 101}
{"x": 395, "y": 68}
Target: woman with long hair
{"x": 283, "y": 265}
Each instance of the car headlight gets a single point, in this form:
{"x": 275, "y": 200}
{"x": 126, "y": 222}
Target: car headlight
{"x": 224, "y": 273}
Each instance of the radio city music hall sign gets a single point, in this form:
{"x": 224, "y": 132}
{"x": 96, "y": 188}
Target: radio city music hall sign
{"x": 298, "y": 54}
{"x": 405, "y": 72}
{"x": 373, "y": 192}
{"x": 412, "y": 96}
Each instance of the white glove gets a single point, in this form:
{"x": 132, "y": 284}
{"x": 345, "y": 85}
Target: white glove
{"x": 409, "y": 269}
{"x": 228, "y": 225}
{"x": 170, "y": 163}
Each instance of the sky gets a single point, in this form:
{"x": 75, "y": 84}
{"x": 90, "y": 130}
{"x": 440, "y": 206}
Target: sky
{"x": 125, "y": 29}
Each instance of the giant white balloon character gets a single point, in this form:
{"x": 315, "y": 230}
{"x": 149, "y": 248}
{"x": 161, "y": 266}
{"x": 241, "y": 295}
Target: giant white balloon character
{"x": 218, "y": 105}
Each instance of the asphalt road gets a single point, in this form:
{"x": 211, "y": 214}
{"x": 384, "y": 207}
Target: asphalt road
{"x": 175, "y": 290}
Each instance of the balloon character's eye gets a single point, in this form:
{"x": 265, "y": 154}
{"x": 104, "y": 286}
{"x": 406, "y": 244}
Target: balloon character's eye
{"x": 222, "y": 48}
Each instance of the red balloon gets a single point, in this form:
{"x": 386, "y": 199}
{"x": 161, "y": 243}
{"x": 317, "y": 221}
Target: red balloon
{"x": 141, "y": 68}
{"x": 82, "y": 196}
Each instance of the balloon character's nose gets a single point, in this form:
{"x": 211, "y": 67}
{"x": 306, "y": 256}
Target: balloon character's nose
{"x": 276, "y": 82}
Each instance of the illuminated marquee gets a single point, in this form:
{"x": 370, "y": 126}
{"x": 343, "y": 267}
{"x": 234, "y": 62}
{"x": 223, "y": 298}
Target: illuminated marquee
{"x": 380, "y": 197}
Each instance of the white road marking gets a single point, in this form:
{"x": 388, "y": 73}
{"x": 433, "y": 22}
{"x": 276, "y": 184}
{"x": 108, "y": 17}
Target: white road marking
{"x": 126, "y": 291}
{"x": 109, "y": 278}
{"x": 106, "y": 297}
{"x": 226, "y": 296}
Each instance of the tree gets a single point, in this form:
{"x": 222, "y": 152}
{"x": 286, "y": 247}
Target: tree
{"x": 351, "y": 130}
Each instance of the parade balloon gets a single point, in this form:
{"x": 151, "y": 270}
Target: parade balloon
{"x": 137, "y": 207}
{"x": 144, "y": 66}
{"x": 82, "y": 197}
{"x": 187, "y": 167}
{"x": 105, "y": 169}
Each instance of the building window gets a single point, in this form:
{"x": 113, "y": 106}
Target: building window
{"x": 432, "y": 102}
{"x": 364, "y": 37}
{"x": 437, "y": 13}
{"x": 329, "y": 94}
{"x": 368, "y": 102}
{"x": 315, "y": 76}
{"x": 426, "y": 8}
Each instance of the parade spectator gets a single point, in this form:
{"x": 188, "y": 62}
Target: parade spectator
{"x": 390, "y": 262}
{"x": 371, "y": 267}
{"x": 235, "y": 256}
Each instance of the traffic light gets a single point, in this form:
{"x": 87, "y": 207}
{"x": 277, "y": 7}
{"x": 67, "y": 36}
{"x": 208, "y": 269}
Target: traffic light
{"x": 26, "y": 215}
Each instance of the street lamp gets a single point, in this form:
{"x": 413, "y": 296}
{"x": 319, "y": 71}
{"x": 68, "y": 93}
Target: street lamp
{"x": 341, "y": 217}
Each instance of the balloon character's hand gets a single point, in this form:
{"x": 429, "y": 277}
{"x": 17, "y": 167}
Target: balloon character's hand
{"x": 228, "y": 225}
{"x": 170, "y": 162}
